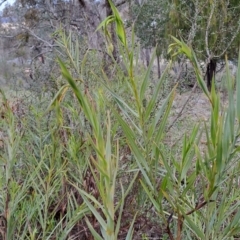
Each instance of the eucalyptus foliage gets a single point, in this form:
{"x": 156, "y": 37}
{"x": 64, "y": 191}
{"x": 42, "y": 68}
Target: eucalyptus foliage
{"x": 151, "y": 19}
{"x": 211, "y": 27}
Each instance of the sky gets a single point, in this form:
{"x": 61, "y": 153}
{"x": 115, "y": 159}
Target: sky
{"x": 7, "y": 2}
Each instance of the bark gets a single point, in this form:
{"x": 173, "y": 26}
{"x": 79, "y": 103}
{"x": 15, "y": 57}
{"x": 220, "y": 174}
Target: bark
{"x": 93, "y": 19}
{"x": 210, "y": 74}
{"x": 147, "y": 55}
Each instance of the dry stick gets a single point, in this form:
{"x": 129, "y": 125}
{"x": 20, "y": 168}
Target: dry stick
{"x": 3, "y": 226}
{"x": 181, "y": 219}
{"x": 183, "y": 107}
{"x": 3, "y": 1}
{"x": 38, "y": 55}
{"x": 31, "y": 32}
{"x": 180, "y": 226}
{"x": 169, "y": 233}
{"x": 168, "y": 227}
{"x": 200, "y": 205}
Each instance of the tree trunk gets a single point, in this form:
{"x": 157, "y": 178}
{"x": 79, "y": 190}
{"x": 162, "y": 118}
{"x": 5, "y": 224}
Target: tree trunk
{"x": 93, "y": 19}
{"x": 211, "y": 70}
{"x": 147, "y": 56}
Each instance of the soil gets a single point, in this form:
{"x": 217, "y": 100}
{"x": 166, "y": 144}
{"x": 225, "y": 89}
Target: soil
{"x": 197, "y": 109}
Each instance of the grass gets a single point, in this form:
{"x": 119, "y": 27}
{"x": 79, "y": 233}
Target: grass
{"x": 93, "y": 161}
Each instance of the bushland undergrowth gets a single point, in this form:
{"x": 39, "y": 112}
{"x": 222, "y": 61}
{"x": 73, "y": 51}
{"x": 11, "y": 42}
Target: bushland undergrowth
{"x": 92, "y": 163}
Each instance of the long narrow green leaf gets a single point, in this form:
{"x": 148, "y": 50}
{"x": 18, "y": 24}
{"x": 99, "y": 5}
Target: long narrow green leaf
{"x": 105, "y": 22}
{"x": 93, "y": 231}
{"x": 151, "y": 197}
{"x": 89, "y": 111}
{"x": 117, "y": 228}
{"x": 58, "y": 97}
{"x": 94, "y": 210}
{"x": 152, "y": 103}
{"x": 185, "y": 49}
{"x": 121, "y": 103}
{"x": 238, "y": 89}
{"x": 131, "y": 137}
{"x": 108, "y": 152}
{"x": 200, "y": 79}
{"x": 231, "y": 105}
{"x": 83, "y": 64}
{"x": 131, "y": 229}
{"x": 77, "y": 55}
{"x": 120, "y": 30}
{"x": 145, "y": 81}
{"x": 194, "y": 227}
{"x": 214, "y": 115}
{"x": 160, "y": 131}
{"x": 83, "y": 103}
{"x": 158, "y": 115}
{"x": 128, "y": 188}
{"x": 141, "y": 161}
{"x": 188, "y": 155}
{"x": 166, "y": 165}
{"x": 219, "y": 158}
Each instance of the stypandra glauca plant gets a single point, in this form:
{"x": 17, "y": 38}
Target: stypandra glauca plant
{"x": 104, "y": 166}
{"x": 201, "y": 188}
{"x": 194, "y": 195}
{"x": 32, "y": 174}
{"x": 106, "y": 207}
{"x": 9, "y": 202}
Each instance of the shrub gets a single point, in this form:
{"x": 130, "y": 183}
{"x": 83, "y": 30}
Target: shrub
{"x": 93, "y": 164}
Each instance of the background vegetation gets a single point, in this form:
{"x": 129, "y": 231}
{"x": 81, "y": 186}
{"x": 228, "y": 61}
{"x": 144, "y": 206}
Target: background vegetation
{"x": 85, "y": 123}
